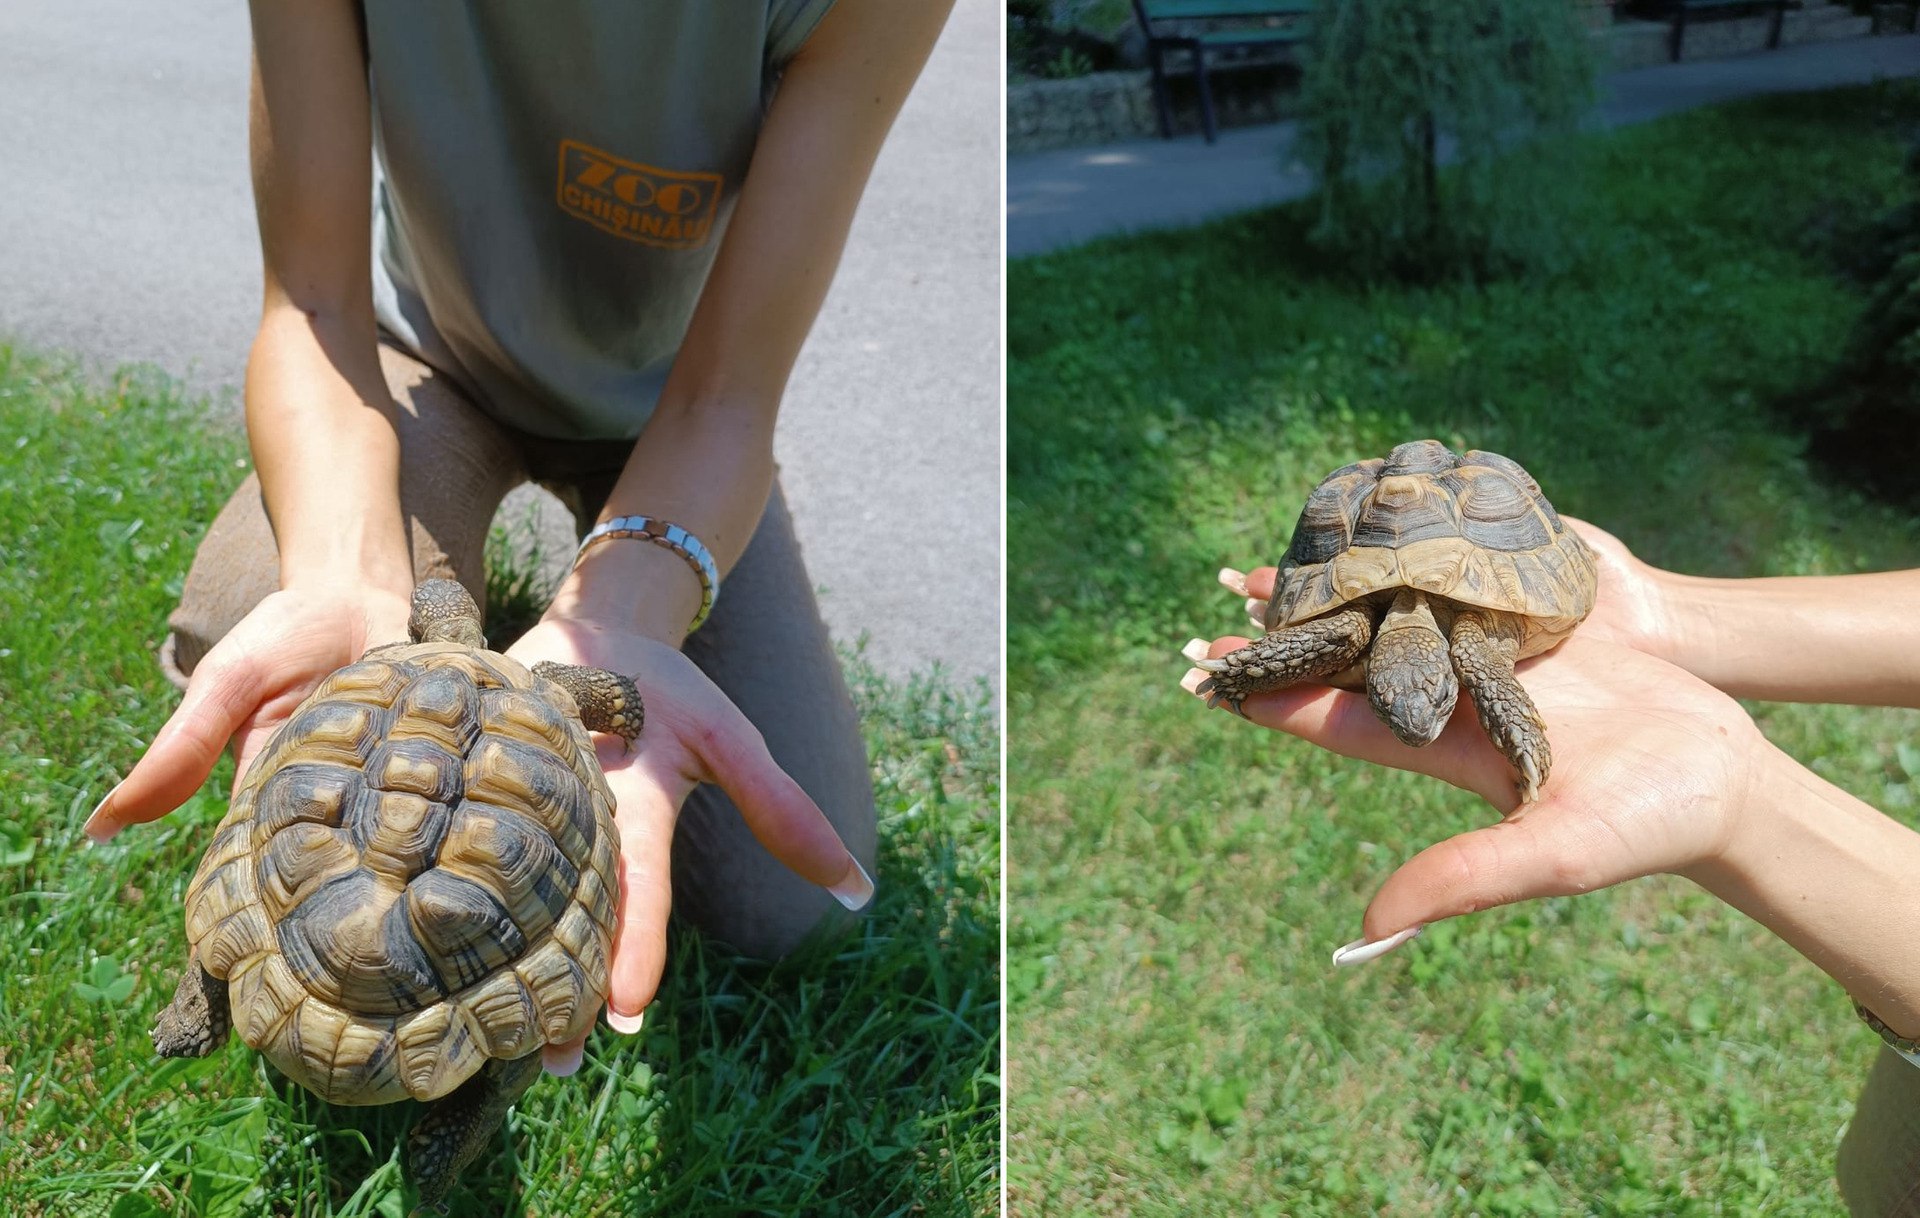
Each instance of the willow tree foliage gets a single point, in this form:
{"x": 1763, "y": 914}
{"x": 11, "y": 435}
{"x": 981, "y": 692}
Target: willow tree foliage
{"x": 1435, "y": 129}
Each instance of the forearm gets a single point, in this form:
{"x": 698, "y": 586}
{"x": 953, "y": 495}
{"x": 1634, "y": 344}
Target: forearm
{"x": 706, "y": 466}
{"x": 1844, "y": 638}
{"x": 1834, "y": 878}
{"x": 319, "y": 421}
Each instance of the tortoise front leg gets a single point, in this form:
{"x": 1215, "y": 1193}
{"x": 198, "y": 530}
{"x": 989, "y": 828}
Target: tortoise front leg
{"x": 608, "y": 702}
{"x": 197, "y": 1020}
{"x": 1482, "y": 652}
{"x": 1319, "y": 648}
{"x": 458, "y": 1126}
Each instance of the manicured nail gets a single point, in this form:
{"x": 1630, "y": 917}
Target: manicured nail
{"x": 855, "y": 888}
{"x": 101, "y": 826}
{"x": 1196, "y": 649}
{"x": 626, "y": 1025}
{"x": 562, "y": 1060}
{"x": 1191, "y": 682}
{"x": 1256, "y": 608}
{"x": 1360, "y": 951}
{"x": 1233, "y": 581}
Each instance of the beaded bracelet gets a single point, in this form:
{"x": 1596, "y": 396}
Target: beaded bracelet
{"x": 1909, "y": 1049}
{"x": 673, "y": 537}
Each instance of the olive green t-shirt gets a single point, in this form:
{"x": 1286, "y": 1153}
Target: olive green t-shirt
{"x": 552, "y": 182}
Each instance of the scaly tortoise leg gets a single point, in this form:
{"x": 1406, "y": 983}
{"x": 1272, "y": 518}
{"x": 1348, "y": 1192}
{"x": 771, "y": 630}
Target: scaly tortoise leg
{"x": 458, "y": 1126}
{"x": 1318, "y": 648}
{"x": 608, "y": 702}
{"x": 197, "y": 1020}
{"x": 1483, "y": 658}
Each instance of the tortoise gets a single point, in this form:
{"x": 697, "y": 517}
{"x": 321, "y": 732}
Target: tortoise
{"x": 1413, "y": 576}
{"x": 413, "y": 891}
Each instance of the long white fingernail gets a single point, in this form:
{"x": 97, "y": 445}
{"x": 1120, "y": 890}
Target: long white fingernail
{"x": 1196, "y": 649}
{"x": 1360, "y": 950}
{"x": 855, "y": 888}
{"x": 626, "y": 1025}
{"x": 562, "y": 1060}
{"x": 101, "y": 826}
{"x": 1191, "y": 682}
{"x": 1232, "y": 580}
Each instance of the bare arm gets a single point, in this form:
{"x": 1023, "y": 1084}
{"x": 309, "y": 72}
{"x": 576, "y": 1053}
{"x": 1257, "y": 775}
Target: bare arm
{"x": 318, "y": 414}
{"x": 705, "y": 458}
{"x": 1832, "y": 638}
{"x": 1835, "y": 638}
{"x": 1834, "y": 878}
{"x": 318, "y": 418}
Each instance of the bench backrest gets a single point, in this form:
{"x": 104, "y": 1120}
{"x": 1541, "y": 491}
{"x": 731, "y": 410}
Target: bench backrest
{"x": 1176, "y": 10}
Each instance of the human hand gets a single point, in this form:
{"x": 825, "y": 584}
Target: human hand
{"x": 1651, "y": 769}
{"x": 1634, "y": 603}
{"x": 693, "y": 734}
{"x": 245, "y": 688}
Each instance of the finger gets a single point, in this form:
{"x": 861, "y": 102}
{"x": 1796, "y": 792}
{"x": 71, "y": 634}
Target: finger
{"x": 1259, "y": 583}
{"x": 644, "y": 817}
{"x": 782, "y": 816}
{"x": 564, "y": 1059}
{"x": 1549, "y": 851}
{"x": 223, "y": 695}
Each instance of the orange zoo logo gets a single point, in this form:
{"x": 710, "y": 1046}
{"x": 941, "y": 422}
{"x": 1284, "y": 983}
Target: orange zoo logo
{"x": 639, "y": 202}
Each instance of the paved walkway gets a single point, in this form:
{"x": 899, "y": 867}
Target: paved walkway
{"x": 127, "y": 236}
{"x": 1062, "y": 198}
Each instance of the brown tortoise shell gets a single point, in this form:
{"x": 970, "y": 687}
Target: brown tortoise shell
{"x": 417, "y": 875}
{"x": 1471, "y": 528}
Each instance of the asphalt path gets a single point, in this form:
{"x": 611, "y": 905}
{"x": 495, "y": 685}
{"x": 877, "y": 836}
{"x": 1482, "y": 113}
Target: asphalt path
{"x": 1064, "y": 197}
{"x": 127, "y": 237}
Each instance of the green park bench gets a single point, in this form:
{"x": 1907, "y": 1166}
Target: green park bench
{"x": 1684, "y": 10}
{"x": 1168, "y": 27}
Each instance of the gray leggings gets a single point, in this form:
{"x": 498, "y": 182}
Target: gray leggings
{"x": 764, "y": 646}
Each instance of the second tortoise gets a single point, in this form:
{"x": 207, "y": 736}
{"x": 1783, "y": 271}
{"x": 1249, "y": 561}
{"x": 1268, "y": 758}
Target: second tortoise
{"x": 1416, "y": 575}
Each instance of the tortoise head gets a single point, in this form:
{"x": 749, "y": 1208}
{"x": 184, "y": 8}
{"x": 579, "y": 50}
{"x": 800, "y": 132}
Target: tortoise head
{"x": 443, "y": 612}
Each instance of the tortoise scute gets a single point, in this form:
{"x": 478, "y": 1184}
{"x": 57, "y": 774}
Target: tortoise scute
{"x": 418, "y": 766}
{"x": 352, "y": 1059}
{"x": 298, "y": 861}
{"x": 351, "y": 943}
{"x": 399, "y": 833}
{"x": 440, "y": 704}
{"x": 557, "y": 985}
{"x": 510, "y": 773}
{"x": 439, "y": 1048}
{"x": 236, "y": 939}
{"x": 317, "y": 794}
{"x": 502, "y": 1010}
{"x": 375, "y": 682}
{"x": 466, "y": 932}
{"x": 512, "y": 856}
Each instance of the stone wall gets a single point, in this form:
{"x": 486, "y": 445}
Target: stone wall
{"x": 1108, "y": 107}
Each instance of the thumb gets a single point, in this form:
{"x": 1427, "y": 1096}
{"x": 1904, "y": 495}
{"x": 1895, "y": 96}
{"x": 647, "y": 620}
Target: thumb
{"x": 223, "y": 695}
{"x": 1544, "y": 851}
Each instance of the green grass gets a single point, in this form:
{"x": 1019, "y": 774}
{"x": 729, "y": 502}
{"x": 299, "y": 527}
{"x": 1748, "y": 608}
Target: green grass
{"x": 1179, "y": 1043}
{"x": 863, "y": 1081}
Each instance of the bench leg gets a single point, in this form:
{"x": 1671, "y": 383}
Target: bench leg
{"x": 1207, "y": 123}
{"x": 1162, "y": 106}
{"x": 1779, "y": 18}
{"x": 1679, "y": 32}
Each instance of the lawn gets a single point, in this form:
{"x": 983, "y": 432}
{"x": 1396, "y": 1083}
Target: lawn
{"x": 1179, "y": 1042}
{"x": 864, "y": 1081}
